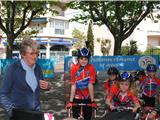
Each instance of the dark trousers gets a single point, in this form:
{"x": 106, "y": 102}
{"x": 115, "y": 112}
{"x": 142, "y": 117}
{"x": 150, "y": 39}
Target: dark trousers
{"x": 21, "y": 114}
{"x": 148, "y": 101}
{"x": 87, "y": 110}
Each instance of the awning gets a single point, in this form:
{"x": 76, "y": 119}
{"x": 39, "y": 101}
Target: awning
{"x": 59, "y": 39}
{"x": 42, "y": 42}
{"x": 61, "y": 43}
{"x": 74, "y": 40}
{"x": 53, "y": 41}
{"x": 40, "y": 39}
{"x": 40, "y": 20}
{"x": 5, "y": 43}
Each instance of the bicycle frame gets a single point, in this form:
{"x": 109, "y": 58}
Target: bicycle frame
{"x": 146, "y": 112}
{"x": 81, "y": 110}
{"x": 81, "y": 113}
{"x": 119, "y": 109}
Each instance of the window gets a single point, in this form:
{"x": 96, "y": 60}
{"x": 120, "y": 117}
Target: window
{"x": 66, "y": 25}
{"x": 153, "y": 42}
{"x": 59, "y": 27}
{"x": 51, "y": 23}
{"x": 59, "y": 31}
{"x": 38, "y": 28}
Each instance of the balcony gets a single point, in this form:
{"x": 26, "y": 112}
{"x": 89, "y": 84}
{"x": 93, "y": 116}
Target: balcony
{"x": 50, "y": 32}
{"x": 40, "y": 20}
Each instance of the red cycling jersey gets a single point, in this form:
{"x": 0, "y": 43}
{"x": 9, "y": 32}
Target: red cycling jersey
{"x": 109, "y": 83}
{"x": 118, "y": 99}
{"x": 81, "y": 77}
{"x": 150, "y": 86}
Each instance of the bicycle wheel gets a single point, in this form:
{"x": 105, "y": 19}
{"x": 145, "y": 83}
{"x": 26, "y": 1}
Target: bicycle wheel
{"x": 124, "y": 115}
{"x": 69, "y": 118}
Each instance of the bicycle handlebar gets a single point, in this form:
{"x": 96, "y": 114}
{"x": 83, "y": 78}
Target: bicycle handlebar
{"x": 122, "y": 108}
{"x": 150, "y": 109}
{"x": 82, "y": 104}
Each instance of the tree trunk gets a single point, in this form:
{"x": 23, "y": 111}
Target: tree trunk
{"x": 9, "y": 47}
{"x": 9, "y": 52}
{"x": 117, "y": 46}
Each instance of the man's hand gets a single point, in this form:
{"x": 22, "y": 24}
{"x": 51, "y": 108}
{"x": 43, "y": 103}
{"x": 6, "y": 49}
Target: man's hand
{"x": 45, "y": 85}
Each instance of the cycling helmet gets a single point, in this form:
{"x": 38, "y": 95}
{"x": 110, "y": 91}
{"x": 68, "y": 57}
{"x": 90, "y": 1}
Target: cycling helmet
{"x": 141, "y": 73}
{"x": 125, "y": 76}
{"x": 151, "y": 68}
{"x": 84, "y": 52}
{"x": 112, "y": 71}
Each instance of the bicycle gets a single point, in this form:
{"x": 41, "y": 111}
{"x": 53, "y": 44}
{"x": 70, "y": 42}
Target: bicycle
{"x": 81, "y": 111}
{"x": 120, "y": 113}
{"x": 147, "y": 111}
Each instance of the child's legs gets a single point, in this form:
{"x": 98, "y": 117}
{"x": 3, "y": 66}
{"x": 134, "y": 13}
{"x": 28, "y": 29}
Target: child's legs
{"x": 148, "y": 101}
{"x": 87, "y": 113}
{"x": 76, "y": 112}
{"x": 158, "y": 99}
{"x": 76, "y": 109}
{"x": 87, "y": 110}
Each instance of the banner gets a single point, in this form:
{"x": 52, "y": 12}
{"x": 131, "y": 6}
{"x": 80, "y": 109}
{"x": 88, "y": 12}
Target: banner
{"x": 47, "y": 66}
{"x": 124, "y": 63}
{"x": 4, "y": 63}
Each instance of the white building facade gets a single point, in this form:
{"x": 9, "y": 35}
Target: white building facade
{"x": 53, "y": 35}
{"x": 147, "y": 34}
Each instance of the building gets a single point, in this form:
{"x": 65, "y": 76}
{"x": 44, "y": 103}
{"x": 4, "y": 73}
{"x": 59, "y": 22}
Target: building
{"x": 147, "y": 34}
{"x": 53, "y": 35}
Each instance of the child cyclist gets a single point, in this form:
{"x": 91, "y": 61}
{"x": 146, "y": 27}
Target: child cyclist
{"x": 149, "y": 86}
{"x": 137, "y": 80}
{"x": 83, "y": 77}
{"x": 141, "y": 75}
{"x": 121, "y": 96}
{"x": 113, "y": 76}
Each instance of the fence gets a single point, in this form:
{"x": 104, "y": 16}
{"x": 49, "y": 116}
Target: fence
{"x": 46, "y": 65}
{"x": 126, "y": 63}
